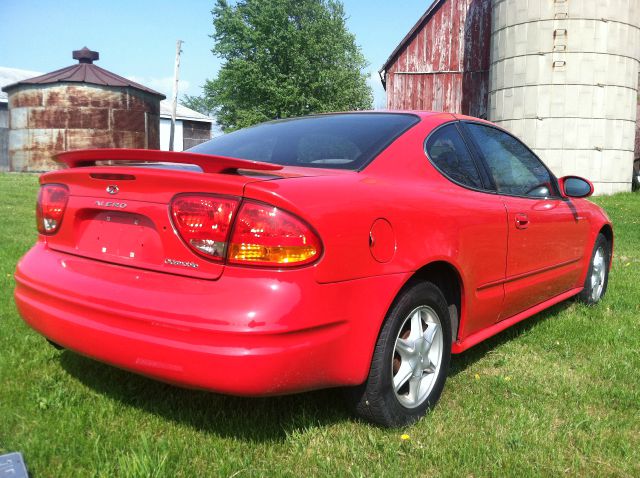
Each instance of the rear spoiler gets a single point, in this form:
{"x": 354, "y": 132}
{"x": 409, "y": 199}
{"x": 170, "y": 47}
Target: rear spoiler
{"x": 208, "y": 163}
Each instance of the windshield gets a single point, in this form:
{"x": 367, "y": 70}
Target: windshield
{"x": 340, "y": 141}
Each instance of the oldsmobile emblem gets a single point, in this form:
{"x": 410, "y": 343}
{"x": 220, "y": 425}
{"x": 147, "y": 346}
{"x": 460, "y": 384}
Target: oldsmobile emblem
{"x": 175, "y": 262}
{"x": 113, "y": 189}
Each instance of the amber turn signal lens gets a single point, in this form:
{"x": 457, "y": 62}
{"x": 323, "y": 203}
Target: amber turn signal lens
{"x": 265, "y": 235}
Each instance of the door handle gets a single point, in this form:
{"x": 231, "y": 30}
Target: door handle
{"x": 522, "y": 221}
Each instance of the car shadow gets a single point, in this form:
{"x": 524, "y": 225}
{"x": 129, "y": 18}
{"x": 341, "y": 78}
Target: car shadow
{"x": 461, "y": 362}
{"x": 250, "y": 419}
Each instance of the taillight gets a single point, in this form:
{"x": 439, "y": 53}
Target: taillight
{"x": 203, "y": 222}
{"x": 52, "y": 201}
{"x": 265, "y": 235}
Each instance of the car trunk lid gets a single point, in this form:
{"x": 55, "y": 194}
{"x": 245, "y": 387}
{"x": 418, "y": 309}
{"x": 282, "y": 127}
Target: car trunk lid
{"x": 118, "y": 212}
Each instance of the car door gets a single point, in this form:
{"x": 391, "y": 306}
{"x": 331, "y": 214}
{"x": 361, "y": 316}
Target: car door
{"x": 476, "y": 217}
{"x": 546, "y": 233}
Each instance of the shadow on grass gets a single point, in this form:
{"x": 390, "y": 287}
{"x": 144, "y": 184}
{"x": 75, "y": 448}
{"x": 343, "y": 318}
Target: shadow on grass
{"x": 461, "y": 362}
{"x": 250, "y": 419}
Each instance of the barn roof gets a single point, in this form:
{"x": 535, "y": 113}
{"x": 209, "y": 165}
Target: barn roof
{"x": 423, "y": 19}
{"x": 183, "y": 113}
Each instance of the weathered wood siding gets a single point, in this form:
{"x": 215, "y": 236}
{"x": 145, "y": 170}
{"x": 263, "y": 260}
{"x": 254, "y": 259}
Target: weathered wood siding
{"x": 445, "y": 64}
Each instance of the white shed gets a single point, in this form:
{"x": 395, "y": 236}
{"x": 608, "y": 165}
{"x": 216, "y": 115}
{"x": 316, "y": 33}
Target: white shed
{"x": 192, "y": 128}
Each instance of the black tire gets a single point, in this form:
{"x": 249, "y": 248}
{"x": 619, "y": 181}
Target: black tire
{"x": 376, "y": 400}
{"x": 592, "y": 293}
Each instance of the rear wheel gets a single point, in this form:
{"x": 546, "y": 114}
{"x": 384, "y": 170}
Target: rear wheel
{"x": 411, "y": 359}
{"x": 595, "y": 285}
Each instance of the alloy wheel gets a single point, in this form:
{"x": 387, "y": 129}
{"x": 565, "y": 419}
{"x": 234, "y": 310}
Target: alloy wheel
{"x": 417, "y": 356}
{"x": 598, "y": 274}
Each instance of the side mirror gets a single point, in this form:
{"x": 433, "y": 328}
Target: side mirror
{"x": 575, "y": 187}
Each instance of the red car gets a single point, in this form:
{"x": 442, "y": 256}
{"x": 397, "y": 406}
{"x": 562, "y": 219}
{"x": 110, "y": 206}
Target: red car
{"x": 351, "y": 250}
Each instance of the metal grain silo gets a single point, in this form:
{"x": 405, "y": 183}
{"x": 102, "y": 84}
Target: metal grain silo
{"x": 81, "y": 106}
{"x": 564, "y": 77}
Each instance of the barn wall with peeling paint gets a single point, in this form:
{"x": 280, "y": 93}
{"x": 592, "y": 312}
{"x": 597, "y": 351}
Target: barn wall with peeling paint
{"x": 443, "y": 63}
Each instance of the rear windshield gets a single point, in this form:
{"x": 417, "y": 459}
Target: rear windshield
{"x": 341, "y": 141}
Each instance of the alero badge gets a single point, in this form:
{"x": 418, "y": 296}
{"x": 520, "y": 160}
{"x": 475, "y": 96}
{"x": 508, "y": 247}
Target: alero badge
{"x": 119, "y": 205}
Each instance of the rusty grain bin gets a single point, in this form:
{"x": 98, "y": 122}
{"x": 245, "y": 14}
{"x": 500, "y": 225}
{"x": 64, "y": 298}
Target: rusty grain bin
{"x": 81, "y": 106}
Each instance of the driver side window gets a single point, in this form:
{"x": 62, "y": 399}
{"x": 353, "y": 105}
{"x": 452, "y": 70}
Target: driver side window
{"x": 515, "y": 170}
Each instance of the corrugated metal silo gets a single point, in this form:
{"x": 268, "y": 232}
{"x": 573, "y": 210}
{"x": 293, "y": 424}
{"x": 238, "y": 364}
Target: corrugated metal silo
{"x": 81, "y": 106}
{"x": 564, "y": 78}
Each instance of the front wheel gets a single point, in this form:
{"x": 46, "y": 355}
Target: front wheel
{"x": 411, "y": 359}
{"x": 595, "y": 285}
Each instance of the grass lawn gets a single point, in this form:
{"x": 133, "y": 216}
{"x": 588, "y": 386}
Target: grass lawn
{"x": 556, "y": 395}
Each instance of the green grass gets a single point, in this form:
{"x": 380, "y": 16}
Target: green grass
{"x": 556, "y": 395}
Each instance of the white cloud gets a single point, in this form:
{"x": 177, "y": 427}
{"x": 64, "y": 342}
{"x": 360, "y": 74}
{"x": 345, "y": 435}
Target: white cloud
{"x": 163, "y": 85}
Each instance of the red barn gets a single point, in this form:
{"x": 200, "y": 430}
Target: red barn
{"x": 442, "y": 64}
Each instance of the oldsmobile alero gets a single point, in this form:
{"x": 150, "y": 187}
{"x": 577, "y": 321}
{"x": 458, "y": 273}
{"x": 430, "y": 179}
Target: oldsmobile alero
{"x": 355, "y": 250}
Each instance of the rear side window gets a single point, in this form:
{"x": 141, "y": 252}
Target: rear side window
{"x": 448, "y": 152}
{"x": 340, "y": 141}
{"x": 515, "y": 169}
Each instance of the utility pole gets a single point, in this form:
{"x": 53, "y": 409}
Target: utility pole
{"x": 174, "y": 104}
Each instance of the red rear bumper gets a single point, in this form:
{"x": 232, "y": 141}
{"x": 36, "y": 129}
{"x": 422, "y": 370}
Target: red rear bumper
{"x": 251, "y": 332}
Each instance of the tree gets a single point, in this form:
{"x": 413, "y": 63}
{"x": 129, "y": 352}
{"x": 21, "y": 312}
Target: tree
{"x": 282, "y": 58}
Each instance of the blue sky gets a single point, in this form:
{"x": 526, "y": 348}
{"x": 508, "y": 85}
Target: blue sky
{"x": 136, "y": 38}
